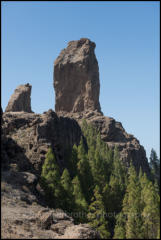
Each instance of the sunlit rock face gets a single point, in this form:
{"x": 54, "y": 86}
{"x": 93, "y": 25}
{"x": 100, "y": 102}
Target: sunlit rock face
{"x": 76, "y": 78}
{"x": 20, "y": 99}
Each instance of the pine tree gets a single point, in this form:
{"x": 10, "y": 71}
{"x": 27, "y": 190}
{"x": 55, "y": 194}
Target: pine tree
{"x": 117, "y": 184}
{"x": 154, "y": 161}
{"x": 151, "y": 217}
{"x": 119, "y": 231}
{"x": 68, "y": 198}
{"x": 84, "y": 171}
{"x": 106, "y": 196}
{"x": 98, "y": 170}
{"x": 50, "y": 180}
{"x": 150, "y": 200}
{"x": 66, "y": 181}
{"x": 132, "y": 206}
{"x": 73, "y": 160}
{"x": 155, "y": 166}
{"x": 102, "y": 155}
{"x": 96, "y": 214}
{"x": 98, "y": 163}
{"x": 119, "y": 170}
{"x": 81, "y": 205}
{"x": 90, "y": 133}
{"x": 144, "y": 181}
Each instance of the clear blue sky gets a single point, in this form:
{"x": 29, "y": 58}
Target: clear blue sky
{"x": 127, "y": 48}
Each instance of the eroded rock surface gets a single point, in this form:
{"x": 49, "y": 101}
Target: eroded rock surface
{"x": 76, "y": 78}
{"x": 20, "y": 99}
{"x": 27, "y": 137}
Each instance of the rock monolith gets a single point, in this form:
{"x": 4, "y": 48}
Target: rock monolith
{"x": 76, "y": 78}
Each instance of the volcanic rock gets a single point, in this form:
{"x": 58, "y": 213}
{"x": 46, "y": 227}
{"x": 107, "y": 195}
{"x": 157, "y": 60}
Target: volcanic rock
{"x": 20, "y": 99}
{"x": 76, "y": 78}
{"x": 29, "y": 136}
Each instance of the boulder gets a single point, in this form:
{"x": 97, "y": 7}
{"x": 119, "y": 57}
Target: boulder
{"x": 20, "y": 99}
{"x": 44, "y": 219}
{"x": 81, "y": 231}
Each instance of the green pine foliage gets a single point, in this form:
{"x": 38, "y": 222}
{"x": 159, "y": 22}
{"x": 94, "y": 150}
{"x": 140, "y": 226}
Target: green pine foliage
{"x": 96, "y": 214}
{"x": 150, "y": 200}
{"x": 133, "y": 206}
{"x": 119, "y": 231}
{"x": 50, "y": 180}
{"x": 72, "y": 161}
{"x": 118, "y": 180}
{"x": 84, "y": 171}
{"x": 81, "y": 205}
{"x": 151, "y": 211}
{"x": 68, "y": 198}
{"x": 99, "y": 190}
{"x": 155, "y": 166}
{"x": 139, "y": 218}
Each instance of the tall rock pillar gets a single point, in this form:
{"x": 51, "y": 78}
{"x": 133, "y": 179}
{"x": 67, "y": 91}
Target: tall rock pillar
{"x": 76, "y": 78}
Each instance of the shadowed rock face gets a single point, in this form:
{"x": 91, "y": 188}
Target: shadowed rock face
{"x": 20, "y": 99}
{"x": 34, "y": 134}
{"x": 76, "y": 78}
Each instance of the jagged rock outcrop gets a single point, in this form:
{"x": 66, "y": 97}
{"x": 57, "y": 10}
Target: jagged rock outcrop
{"x": 76, "y": 78}
{"x": 30, "y": 135}
{"x": 20, "y": 99}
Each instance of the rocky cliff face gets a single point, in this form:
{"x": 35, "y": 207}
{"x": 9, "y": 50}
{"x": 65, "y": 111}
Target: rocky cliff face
{"x": 76, "y": 78}
{"x": 20, "y": 100}
{"x": 30, "y": 135}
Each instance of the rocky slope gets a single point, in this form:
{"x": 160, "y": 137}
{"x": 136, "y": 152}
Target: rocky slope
{"x": 23, "y": 216}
